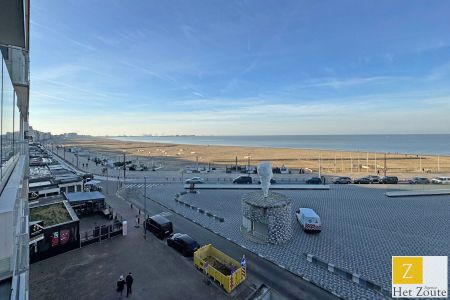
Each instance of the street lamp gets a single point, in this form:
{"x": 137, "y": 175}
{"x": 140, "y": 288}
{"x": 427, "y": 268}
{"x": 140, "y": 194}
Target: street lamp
{"x": 145, "y": 207}
{"x": 107, "y": 181}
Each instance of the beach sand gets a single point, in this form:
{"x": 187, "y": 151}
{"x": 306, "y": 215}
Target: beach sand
{"x": 175, "y": 157}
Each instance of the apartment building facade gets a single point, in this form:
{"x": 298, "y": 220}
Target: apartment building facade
{"x": 14, "y": 113}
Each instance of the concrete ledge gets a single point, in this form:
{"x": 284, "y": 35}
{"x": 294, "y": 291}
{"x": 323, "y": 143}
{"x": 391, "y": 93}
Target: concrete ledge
{"x": 413, "y": 193}
{"x": 207, "y": 186}
{"x": 197, "y": 209}
{"x": 354, "y": 277}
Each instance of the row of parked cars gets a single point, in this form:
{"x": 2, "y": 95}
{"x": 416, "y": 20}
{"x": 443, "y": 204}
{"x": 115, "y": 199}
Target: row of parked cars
{"x": 390, "y": 180}
{"x": 342, "y": 180}
{"x": 366, "y": 180}
{"x": 162, "y": 228}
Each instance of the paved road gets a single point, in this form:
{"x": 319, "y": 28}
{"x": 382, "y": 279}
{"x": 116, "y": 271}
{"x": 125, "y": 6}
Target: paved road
{"x": 259, "y": 269}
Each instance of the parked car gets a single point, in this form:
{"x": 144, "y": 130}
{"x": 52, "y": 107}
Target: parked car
{"x": 314, "y": 180}
{"x": 309, "y": 220}
{"x": 159, "y": 226}
{"x": 419, "y": 180}
{"x": 342, "y": 180}
{"x": 362, "y": 180}
{"x": 195, "y": 180}
{"x": 183, "y": 243}
{"x": 389, "y": 180}
{"x": 272, "y": 181}
{"x": 374, "y": 178}
{"x": 243, "y": 180}
{"x": 441, "y": 180}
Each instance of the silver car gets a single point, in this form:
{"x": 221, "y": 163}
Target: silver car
{"x": 195, "y": 180}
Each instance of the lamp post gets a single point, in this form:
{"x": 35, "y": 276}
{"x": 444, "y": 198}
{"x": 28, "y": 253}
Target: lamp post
{"x": 107, "y": 181}
{"x": 320, "y": 166}
{"x": 124, "y": 167}
{"x": 145, "y": 207}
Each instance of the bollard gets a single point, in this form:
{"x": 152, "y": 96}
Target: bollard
{"x": 355, "y": 277}
{"x": 124, "y": 228}
{"x": 331, "y": 268}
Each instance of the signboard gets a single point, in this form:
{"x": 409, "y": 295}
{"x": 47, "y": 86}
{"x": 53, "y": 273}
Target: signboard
{"x": 243, "y": 266}
{"x": 36, "y": 231}
{"x": 64, "y": 236}
{"x": 55, "y": 239}
{"x": 33, "y": 196}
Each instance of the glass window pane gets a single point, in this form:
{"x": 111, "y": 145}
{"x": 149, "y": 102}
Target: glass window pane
{"x": 7, "y": 123}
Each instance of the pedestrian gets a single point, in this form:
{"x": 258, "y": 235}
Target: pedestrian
{"x": 120, "y": 285}
{"x": 129, "y": 281}
{"x": 137, "y": 221}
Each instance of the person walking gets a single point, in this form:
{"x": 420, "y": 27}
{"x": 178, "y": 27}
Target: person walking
{"x": 120, "y": 286}
{"x": 129, "y": 281}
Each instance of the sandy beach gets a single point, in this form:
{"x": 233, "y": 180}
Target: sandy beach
{"x": 175, "y": 157}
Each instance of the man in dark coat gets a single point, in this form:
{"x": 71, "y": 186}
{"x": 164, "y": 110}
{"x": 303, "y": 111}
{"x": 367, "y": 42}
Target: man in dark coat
{"x": 120, "y": 285}
{"x": 129, "y": 281}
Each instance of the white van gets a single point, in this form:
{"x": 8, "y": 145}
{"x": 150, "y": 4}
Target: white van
{"x": 309, "y": 220}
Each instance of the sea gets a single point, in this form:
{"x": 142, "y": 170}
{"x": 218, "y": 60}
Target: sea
{"x": 433, "y": 144}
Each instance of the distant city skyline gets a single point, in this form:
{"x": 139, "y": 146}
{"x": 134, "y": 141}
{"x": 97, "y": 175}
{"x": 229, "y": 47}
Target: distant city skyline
{"x": 240, "y": 67}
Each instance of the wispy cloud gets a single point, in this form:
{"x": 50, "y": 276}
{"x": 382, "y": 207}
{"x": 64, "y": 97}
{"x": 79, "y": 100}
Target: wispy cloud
{"x": 66, "y": 37}
{"x": 337, "y": 83}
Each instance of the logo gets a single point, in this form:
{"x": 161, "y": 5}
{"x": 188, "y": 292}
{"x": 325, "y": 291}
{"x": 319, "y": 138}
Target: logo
{"x": 419, "y": 277}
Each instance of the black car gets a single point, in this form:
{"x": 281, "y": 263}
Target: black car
{"x": 243, "y": 180}
{"x": 160, "y": 226}
{"x": 342, "y": 180}
{"x": 183, "y": 243}
{"x": 419, "y": 180}
{"x": 362, "y": 180}
{"x": 272, "y": 181}
{"x": 314, "y": 180}
{"x": 389, "y": 180}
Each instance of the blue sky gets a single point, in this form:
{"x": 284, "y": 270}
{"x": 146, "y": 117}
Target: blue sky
{"x": 240, "y": 67}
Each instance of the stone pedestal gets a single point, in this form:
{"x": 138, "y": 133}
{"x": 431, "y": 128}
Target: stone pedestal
{"x": 266, "y": 219}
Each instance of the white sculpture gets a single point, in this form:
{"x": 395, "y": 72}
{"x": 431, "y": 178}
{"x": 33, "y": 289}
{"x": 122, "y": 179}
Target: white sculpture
{"x": 265, "y": 175}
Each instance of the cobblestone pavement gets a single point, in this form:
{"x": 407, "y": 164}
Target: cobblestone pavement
{"x": 362, "y": 229}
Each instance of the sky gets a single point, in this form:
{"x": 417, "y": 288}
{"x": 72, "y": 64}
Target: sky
{"x": 227, "y": 67}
